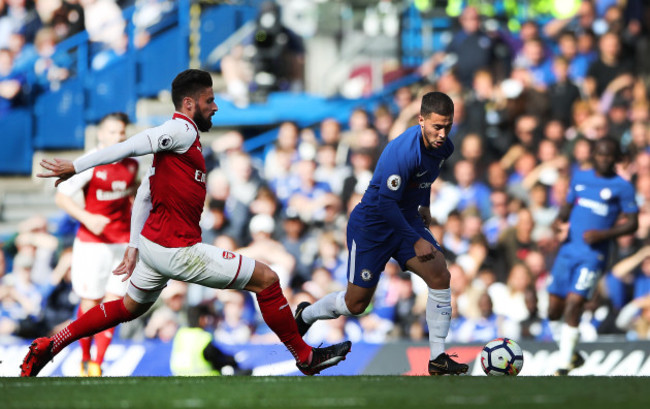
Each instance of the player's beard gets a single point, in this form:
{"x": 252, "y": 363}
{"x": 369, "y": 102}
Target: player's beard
{"x": 204, "y": 124}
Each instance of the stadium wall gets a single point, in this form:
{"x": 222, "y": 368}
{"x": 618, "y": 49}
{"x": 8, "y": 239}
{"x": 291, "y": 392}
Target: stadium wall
{"x": 151, "y": 358}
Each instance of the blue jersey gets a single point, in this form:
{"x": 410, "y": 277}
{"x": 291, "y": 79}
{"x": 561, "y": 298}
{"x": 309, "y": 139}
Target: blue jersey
{"x": 404, "y": 174}
{"x": 597, "y": 203}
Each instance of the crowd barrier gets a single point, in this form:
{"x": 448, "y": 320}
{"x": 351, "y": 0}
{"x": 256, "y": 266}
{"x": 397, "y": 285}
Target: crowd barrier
{"x": 151, "y": 358}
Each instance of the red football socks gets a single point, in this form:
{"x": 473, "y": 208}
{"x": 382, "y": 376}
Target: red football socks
{"x": 278, "y": 316}
{"x": 84, "y": 343}
{"x": 102, "y": 341}
{"x": 99, "y": 318}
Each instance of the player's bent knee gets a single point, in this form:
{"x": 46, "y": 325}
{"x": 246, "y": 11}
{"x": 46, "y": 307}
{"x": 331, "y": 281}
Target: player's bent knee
{"x": 263, "y": 277}
{"x": 439, "y": 279}
{"x": 356, "y": 308}
{"x": 135, "y": 308}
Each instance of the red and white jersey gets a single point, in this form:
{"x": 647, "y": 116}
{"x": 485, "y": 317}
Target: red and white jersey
{"x": 106, "y": 190}
{"x": 177, "y": 184}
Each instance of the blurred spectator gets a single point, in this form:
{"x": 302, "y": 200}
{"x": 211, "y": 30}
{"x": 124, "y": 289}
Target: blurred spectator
{"x": 516, "y": 241}
{"x": 444, "y": 198}
{"x": 495, "y": 225}
{"x": 637, "y": 138}
{"x": 215, "y": 222}
{"x": 330, "y": 134}
{"x": 147, "y": 15}
{"x": 497, "y": 178}
{"x": 633, "y": 270}
{"x": 487, "y": 326}
{"x": 106, "y": 30}
{"x": 50, "y": 68}
{"x": 583, "y": 20}
{"x": 218, "y": 188}
{"x": 472, "y": 192}
{"x": 19, "y": 17}
{"x": 309, "y": 196}
{"x": 171, "y": 315}
{"x": 562, "y": 92}
{"x": 453, "y": 239}
{"x": 534, "y": 327}
{"x": 23, "y": 52}
{"x": 634, "y": 315}
{"x": 358, "y": 122}
{"x": 266, "y": 203}
{"x": 221, "y": 148}
{"x": 534, "y": 59}
{"x": 327, "y": 170}
{"x": 539, "y": 272}
{"x": 244, "y": 179}
{"x": 609, "y": 65}
{"x": 332, "y": 257}
{"x": 509, "y": 298}
{"x": 20, "y": 297}
{"x": 577, "y": 63}
{"x": 232, "y": 327}
{"x": 68, "y": 19}
{"x": 267, "y": 250}
{"x": 59, "y": 305}
{"x": 301, "y": 244}
{"x": 469, "y": 50}
{"x": 193, "y": 351}
{"x": 11, "y": 82}
{"x": 475, "y": 257}
{"x": 237, "y": 72}
{"x": 382, "y": 121}
{"x": 286, "y": 142}
{"x": 472, "y": 150}
{"x": 362, "y": 161}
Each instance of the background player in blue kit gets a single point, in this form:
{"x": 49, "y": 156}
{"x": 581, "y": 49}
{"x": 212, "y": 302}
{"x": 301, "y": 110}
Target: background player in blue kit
{"x": 588, "y": 219}
{"x": 392, "y": 220}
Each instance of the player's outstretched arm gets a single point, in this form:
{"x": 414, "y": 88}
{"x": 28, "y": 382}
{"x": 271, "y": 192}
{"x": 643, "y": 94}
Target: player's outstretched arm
{"x": 62, "y": 169}
{"x": 137, "y": 145}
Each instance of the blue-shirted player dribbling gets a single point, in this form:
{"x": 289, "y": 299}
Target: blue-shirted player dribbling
{"x": 392, "y": 220}
{"x": 596, "y": 199}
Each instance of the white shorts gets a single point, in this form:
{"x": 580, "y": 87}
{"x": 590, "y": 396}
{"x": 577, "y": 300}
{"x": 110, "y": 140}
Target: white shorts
{"x": 92, "y": 269}
{"x": 201, "y": 264}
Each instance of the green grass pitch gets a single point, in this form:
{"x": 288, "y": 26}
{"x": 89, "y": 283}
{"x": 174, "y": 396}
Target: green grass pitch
{"x": 377, "y": 392}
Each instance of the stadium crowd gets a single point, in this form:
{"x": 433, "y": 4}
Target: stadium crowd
{"x": 31, "y": 30}
{"x": 528, "y": 106}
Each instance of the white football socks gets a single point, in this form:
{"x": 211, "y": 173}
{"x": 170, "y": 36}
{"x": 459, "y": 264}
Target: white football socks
{"x": 329, "y": 307}
{"x": 438, "y": 319}
{"x": 568, "y": 342}
{"x": 556, "y": 330}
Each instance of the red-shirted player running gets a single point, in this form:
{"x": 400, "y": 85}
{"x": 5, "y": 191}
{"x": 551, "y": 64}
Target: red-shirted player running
{"x": 166, "y": 236}
{"x": 103, "y": 235}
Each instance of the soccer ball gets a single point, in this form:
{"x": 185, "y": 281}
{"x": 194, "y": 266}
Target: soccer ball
{"x": 502, "y": 356}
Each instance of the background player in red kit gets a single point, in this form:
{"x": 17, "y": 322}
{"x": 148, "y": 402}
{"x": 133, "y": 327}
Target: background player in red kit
{"x": 166, "y": 237}
{"x": 103, "y": 235}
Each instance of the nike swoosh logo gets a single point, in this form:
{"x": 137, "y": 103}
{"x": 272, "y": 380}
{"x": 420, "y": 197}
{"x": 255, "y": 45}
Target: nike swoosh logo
{"x": 417, "y": 175}
{"x": 284, "y": 306}
{"x": 445, "y": 305}
{"x": 439, "y": 365}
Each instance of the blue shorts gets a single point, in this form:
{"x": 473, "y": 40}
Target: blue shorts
{"x": 575, "y": 274}
{"x": 369, "y": 250}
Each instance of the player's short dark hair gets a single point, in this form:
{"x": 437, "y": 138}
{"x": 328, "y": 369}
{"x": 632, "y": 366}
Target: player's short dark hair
{"x": 436, "y": 102}
{"x": 188, "y": 84}
{"x": 118, "y": 116}
{"x": 616, "y": 146}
